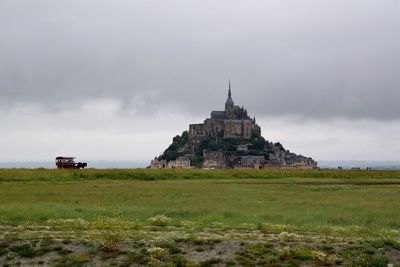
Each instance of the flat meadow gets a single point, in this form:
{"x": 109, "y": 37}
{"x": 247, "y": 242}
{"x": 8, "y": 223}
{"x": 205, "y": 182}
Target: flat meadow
{"x": 267, "y": 211}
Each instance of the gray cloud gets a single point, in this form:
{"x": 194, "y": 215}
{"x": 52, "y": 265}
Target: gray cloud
{"x": 313, "y": 59}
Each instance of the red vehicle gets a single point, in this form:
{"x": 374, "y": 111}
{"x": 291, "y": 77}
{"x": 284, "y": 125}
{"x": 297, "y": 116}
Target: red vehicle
{"x": 69, "y": 163}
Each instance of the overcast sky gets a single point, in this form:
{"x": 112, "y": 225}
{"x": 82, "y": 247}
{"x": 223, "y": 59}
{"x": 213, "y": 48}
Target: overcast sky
{"x": 116, "y": 80}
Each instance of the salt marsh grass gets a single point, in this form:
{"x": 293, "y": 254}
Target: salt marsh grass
{"x": 311, "y": 200}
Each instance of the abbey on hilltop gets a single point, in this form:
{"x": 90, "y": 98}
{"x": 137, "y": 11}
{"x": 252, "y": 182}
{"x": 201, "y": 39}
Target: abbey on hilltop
{"x": 233, "y": 122}
{"x": 228, "y": 139}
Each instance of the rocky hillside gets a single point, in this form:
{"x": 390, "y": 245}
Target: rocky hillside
{"x": 233, "y": 150}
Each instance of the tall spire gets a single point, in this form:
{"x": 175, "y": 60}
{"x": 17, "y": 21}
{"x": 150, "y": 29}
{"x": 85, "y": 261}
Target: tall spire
{"x": 229, "y": 91}
{"x": 229, "y": 101}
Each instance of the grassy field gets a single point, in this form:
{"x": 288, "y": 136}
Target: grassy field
{"x": 266, "y": 218}
{"x": 37, "y": 175}
{"x": 303, "y": 199}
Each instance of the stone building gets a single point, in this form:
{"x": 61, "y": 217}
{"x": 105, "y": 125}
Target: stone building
{"x": 252, "y": 162}
{"x": 158, "y": 164}
{"x": 180, "y": 163}
{"x": 243, "y": 147}
{"x": 233, "y": 122}
{"x": 214, "y": 160}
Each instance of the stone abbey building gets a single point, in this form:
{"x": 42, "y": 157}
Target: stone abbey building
{"x": 228, "y": 139}
{"x": 233, "y": 122}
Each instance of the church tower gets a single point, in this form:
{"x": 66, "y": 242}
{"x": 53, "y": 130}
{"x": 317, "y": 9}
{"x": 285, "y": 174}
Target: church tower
{"x": 229, "y": 101}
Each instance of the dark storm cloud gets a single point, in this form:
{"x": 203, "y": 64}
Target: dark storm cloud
{"x": 315, "y": 59}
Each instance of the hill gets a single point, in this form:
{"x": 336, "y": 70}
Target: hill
{"x": 228, "y": 139}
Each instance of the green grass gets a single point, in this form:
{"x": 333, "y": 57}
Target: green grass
{"x": 303, "y": 199}
{"x": 38, "y": 175}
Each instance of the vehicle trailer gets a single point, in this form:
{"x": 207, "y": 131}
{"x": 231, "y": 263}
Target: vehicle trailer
{"x": 69, "y": 163}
